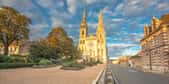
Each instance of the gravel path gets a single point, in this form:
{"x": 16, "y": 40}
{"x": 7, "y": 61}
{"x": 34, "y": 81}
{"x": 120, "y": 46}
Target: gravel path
{"x": 52, "y": 75}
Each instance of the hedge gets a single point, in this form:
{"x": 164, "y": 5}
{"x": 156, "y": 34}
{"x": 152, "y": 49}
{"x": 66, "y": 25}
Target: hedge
{"x": 15, "y": 65}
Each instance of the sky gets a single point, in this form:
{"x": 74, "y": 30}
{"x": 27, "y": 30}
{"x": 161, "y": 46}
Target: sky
{"x": 124, "y": 20}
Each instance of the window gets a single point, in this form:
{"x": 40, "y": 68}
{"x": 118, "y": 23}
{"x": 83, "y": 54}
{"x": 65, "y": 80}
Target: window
{"x": 82, "y": 32}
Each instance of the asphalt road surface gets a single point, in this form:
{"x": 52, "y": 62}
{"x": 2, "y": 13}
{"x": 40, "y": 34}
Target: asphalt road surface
{"x": 126, "y": 75}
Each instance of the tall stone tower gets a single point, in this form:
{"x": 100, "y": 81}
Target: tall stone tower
{"x": 83, "y": 33}
{"x": 101, "y": 39}
{"x": 93, "y": 47}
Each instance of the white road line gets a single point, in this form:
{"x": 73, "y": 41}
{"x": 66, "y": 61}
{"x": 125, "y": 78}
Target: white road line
{"x": 132, "y": 71}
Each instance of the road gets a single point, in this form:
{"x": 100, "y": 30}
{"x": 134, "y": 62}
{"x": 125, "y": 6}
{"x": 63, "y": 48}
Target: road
{"x": 126, "y": 75}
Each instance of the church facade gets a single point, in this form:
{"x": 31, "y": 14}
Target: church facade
{"x": 93, "y": 47}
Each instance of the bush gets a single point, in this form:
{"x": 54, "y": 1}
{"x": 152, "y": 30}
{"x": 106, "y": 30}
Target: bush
{"x": 14, "y": 65}
{"x": 72, "y": 63}
{"x": 68, "y": 62}
{"x": 44, "y": 62}
{"x": 4, "y": 58}
{"x": 40, "y": 51}
{"x": 12, "y": 59}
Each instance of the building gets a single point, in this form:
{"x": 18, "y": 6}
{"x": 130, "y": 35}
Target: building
{"x": 16, "y": 48}
{"x": 155, "y": 45}
{"x": 12, "y": 49}
{"x": 136, "y": 62}
{"x": 93, "y": 47}
{"x": 123, "y": 60}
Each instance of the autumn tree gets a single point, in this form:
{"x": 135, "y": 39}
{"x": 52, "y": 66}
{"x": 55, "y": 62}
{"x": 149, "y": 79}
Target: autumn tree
{"x": 59, "y": 38}
{"x": 13, "y": 27}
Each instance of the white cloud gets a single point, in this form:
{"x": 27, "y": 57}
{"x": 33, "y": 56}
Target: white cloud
{"x": 118, "y": 19}
{"x": 72, "y": 6}
{"x": 58, "y": 18}
{"x": 36, "y": 30}
{"x": 121, "y": 45}
{"x": 45, "y": 3}
{"x": 92, "y": 25}
{"x": 50, "y": 3}
{"x": 56, "y": 22}
{"x": 162, "y": 6}
{"x": 107, "y": 10}
{"x": 7, "y": 2}
{"x": 135, "y": 7}
{"x": 90, "y": 1}
{"x": 130, "y": 52}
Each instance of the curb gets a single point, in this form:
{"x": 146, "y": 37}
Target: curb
{"x": 115, "y": 80}
{"x": 98, "y": 76}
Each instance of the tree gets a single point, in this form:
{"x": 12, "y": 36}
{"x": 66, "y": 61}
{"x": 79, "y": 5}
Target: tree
{"x": 59, "y": 38}
{"x": 41, "y": 50}
{"x": 13, "y": 27}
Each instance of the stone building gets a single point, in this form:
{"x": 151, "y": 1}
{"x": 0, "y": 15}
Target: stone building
{"x": 21, "y": 48}
{"x": 136, "y": 62}
{"x": 12, "y": 49}
{"x": 93, "y": 47}
{"x": 155, "y": 45}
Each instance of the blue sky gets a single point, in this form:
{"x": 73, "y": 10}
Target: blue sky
{"x": 123, "y": 19}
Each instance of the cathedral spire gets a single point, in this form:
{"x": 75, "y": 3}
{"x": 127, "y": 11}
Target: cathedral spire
{"x": 84, "y": 16}
{"x": 100, "y": 22}
{"x": 100, "y": 19}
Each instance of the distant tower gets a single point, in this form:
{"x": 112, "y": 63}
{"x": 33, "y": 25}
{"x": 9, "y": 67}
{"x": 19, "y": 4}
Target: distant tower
{"x": 101, "y": 39}
{"x": 83, "y": 33}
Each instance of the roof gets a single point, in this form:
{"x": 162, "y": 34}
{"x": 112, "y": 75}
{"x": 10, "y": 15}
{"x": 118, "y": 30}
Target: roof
{"x": 165, "y": 19}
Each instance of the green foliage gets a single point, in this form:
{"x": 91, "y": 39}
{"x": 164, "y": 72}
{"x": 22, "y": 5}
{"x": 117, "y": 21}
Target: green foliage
{"x": 42, "y": 50}
{"x": 15, "y": 65}
{"x": 72, "y": 63}
{"x": 44, "y": 62}
{"x": 68, "y": 62}
{"x": 4, "y": 58}
{"x": 12, "y": 59}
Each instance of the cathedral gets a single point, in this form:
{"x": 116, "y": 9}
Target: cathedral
{"x": 93, "y": 47}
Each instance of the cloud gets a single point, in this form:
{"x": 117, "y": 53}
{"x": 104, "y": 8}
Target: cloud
{"x": 121, "y": 45}
{"x": 108, "y": 11}
{"x": 51, "y": 3}
{"x": 92, "y": 25}
{"x": 91, "y": 1}
{"x": 130, "y": 51}
{"x": 118, "y": 19}
{"x": 72, "y": 6}
{"x": 37, "y": 31}
{"x": 7, "y": 2}
{"x": 122, "y": 49}
{"x": 135, "y": 7}
{"x": 162, "y": 6}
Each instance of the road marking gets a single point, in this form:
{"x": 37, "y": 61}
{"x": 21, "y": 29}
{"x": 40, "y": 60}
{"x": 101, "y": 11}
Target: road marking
{"x": 132, "y": 70}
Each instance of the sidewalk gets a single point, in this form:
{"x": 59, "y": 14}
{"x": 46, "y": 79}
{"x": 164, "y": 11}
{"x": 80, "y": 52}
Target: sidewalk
{"x": 52, "y": 75}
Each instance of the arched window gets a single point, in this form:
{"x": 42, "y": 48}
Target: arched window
{"x": 82, "y": 32}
